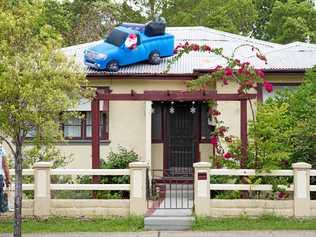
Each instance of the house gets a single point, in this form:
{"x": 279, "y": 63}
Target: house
{"x": 142, "y": 108}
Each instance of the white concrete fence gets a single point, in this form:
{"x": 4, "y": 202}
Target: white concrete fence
{"x": 43, "y": 205}
{"x": 300, "y": 206}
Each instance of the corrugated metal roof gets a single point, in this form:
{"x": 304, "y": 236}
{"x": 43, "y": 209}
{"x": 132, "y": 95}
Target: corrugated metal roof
{"x": 296, "y": 55}
{"x": 293, "y": 56}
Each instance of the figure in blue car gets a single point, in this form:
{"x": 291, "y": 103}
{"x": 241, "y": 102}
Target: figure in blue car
{"x": 131, "y": 43}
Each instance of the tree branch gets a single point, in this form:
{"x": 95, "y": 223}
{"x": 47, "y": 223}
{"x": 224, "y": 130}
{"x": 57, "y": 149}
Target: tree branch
{"x": 9, "y": 144}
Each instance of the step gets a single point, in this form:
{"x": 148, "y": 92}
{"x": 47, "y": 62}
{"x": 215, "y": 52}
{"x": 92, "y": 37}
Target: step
{"x": 172, "y": 212}
{"x": 171, "y": 223}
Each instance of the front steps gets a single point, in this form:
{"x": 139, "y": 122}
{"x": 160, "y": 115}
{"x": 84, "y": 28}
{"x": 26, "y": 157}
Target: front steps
{"x": 169, "y": 219}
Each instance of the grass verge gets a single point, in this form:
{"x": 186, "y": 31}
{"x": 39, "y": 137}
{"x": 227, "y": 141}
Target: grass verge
{"x": 55, "y": 224}
{"x": 246, "y": 223}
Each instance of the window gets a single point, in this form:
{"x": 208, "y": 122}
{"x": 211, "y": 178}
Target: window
{"x": 81, "y": 129}
{"x": 156, "y": 123}
{"x": 278, "y": 87}
{"x": 88, "y": 125}
{"x": 72, "y": 128}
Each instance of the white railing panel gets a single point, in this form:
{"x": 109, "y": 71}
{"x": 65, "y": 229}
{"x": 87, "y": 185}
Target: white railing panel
{"x": 91, "y": 187}
{"x": 108, "y": 172}
{"x": 25, "y": 187}
{"x": 24, "y": 172}
{"x": 313, "y": 173}
{"x": 248, "y": 187}
{"x": 313, "y": 188}
{"x": 250, "y": 172}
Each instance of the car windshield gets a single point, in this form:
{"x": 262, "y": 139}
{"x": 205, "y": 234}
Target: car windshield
{"x": 116, "y": 37}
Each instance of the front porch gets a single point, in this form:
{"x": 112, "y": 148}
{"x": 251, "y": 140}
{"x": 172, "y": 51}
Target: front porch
{"x": 174, "y": 126}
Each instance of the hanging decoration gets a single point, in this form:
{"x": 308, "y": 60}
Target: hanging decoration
{"x": 193, "y": 109}
{"x": 171, "y": 109}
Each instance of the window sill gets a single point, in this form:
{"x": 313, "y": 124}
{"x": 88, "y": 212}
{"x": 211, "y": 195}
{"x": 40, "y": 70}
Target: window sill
{"x": 83, "y": 142}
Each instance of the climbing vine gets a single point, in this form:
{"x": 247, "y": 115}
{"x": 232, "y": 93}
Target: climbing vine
{"x": 243, "y": 73}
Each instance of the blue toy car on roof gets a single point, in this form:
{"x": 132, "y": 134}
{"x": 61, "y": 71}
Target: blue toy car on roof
{"x": 128, "y": 44}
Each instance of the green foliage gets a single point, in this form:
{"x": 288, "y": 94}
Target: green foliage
{"x": 37, "y": 82}
{"x": 291, "y": 21}
{"x": 285, "y": 128}
{"x": 232, "y": 16}
{"x": 119, "y": 159}
{"x": 115, "y": 160}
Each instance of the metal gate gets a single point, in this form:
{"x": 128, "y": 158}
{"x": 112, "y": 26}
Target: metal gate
{"x": 170, "y": 189}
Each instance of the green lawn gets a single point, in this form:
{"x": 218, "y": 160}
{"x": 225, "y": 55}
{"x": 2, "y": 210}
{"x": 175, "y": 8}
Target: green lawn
{"x": 75, "y": 225}
{"x": 262, "y": 223}
{"x": 137, "y": 224}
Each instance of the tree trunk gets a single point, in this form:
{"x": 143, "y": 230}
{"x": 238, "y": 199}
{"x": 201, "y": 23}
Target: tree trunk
{"x": 18, "y": 191}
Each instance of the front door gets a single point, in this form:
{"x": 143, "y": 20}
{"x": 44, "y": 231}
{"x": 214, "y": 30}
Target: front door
{"x": 181, "y": 138}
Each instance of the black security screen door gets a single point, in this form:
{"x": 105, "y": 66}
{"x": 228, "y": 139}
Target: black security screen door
{"x": 181, "y": 138}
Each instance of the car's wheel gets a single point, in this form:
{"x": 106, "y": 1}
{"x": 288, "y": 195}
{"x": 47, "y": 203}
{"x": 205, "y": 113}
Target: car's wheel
{"x": 113, "y": 66}
{"x": 154, "y": 58}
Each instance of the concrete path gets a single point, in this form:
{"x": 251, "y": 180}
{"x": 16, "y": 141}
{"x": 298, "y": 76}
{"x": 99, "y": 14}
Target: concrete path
{"x": 182, "y": 234}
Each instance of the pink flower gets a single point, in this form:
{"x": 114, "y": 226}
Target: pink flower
{"x": 218, "y": 67}
{"x": 268, "y": 86}
{"x": 228, "y": 155}
{"x": 225, "y": 82}
{"x": 260, "y": 73}
{"x": 214, "y": 140}
{"x": 228, "y": 72}
{"x": 206, "y": 48}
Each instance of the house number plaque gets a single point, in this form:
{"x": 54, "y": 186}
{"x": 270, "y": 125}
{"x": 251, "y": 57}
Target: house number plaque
{"x": 202, "y": 176}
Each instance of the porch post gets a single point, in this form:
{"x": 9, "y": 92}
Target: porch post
{"x": 95, "y": 110}
{"x": 243, "y": 131}
{"x": 148, "y": 109}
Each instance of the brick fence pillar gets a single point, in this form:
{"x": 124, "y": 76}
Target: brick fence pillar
{"x": 302, "y": 203}
{"x": 138, "y": 202}
{"x": 202, "y": 188}
{"x": 42, "y": 189}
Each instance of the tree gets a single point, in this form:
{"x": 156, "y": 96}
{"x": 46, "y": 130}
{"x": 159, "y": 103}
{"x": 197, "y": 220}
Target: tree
{"x": 37, "y": 83}
{"x": 232, "y": 16}
{"x": 291, "y": 21}
{"x": 264, "y": 8}
{"x": 81, "y": 21}
{"x": 286, "y": 128}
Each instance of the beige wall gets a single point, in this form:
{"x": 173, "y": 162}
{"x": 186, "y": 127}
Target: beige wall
{"x": 239, "y": 207}
{"x": 127, "y": 119}
{"x": 206, "y": 151}
{"x": 157, "y": 156}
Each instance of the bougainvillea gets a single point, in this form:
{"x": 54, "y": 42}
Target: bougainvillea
{"x": 243, "y": 73}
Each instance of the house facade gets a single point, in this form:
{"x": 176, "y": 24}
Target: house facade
{"x": 144, "y": 108}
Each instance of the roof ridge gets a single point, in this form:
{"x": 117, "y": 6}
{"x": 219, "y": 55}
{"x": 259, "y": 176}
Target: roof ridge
{"x": 287, "y": 46}
{"x": 244, "y": 38}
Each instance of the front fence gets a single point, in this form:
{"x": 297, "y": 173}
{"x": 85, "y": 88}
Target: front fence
{"x": 44, "y": 205}
{"x": 201, "y": 198}
{"x": 300, "y": 206}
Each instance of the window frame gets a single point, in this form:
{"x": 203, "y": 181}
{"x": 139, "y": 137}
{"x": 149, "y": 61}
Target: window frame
{"x": 83, "y": 127}
{"x": 161, "y": 139}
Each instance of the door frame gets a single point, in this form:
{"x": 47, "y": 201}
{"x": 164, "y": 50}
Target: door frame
{"x": 165, "y": 131}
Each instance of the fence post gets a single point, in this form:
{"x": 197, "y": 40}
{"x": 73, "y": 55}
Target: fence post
{"x": 202, "y": 188}
{"x": 138, "y": 188}
{"x": 42, "y": 189}
{"x": 302, "y": 203}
